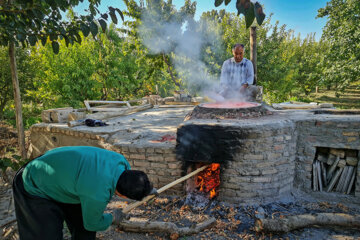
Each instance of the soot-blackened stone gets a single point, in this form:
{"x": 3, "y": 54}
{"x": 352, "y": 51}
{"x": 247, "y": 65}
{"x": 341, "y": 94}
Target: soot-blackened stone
{"x": 207, "y": 143}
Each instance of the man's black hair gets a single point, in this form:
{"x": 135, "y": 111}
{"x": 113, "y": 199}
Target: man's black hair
{"x": 134, "y": 184}
{"x": 238, "y": 45}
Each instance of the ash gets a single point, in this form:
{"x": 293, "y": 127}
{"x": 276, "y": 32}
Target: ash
{"x": 197, "y": 201}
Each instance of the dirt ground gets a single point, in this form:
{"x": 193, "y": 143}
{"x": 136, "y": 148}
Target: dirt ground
{"x": 232, "y": 221}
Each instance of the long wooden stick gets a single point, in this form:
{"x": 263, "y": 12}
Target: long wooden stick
{"x": 136, "y": 204}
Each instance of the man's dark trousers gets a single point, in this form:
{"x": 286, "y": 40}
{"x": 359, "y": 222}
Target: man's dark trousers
{"x": 42, "y": 219}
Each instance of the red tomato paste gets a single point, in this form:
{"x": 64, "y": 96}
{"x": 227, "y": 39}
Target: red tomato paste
{"x": 230, "y": 105}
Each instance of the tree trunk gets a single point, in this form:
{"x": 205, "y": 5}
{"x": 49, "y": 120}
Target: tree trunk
{"x": 17, "y": 98}
{"x": 169, "y": 70}
{"x": 253, "y": 55}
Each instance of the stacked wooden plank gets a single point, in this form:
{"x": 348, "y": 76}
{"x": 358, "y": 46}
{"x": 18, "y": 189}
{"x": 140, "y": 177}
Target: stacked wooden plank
{"x": 335, "y": 170}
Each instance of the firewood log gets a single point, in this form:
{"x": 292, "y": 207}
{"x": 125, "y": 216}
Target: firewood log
{"x": 166, "y": 227}
{"x": 323, "y": 174}
{"x": 315, "y": 179}
{"x": 319, "y": 176}
{"x": 342, "y": 179}
{"x": 347, "y": 179}
{"x": 332, "y": 169}
{"x": 290, "y": 223}
{"x": 351, "y": 182}
{"x": 334, "y": 179}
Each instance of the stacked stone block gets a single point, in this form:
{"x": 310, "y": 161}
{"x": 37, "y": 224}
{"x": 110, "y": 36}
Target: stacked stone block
{"x": 340, "y": 133}
{"x": 263, "y": 168}
{"x": 160, "y": 164}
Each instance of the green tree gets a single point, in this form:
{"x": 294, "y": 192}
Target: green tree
{"x": 146, "y": 22}
{"x": 342, "y": 32}
{"x": 26, "y": 71}
{"x": 27, "y": 22}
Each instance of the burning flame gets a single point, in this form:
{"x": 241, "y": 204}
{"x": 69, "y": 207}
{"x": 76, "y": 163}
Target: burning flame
{"x": 208, "y": 180}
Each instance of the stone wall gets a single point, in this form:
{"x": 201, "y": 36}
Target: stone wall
{"x": 339, "y": 133}
{"x": 45, "y": 137}
{"x": 261, "y": 162}
{"x": 160, "y": 164}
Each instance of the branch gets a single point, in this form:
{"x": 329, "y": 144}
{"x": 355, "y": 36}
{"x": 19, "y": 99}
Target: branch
{"x": 167, "y": 227}
{"x": 290, "y": 223}
{"x": 169, "y": 70}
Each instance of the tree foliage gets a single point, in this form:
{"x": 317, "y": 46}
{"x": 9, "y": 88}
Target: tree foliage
{"x": 342, "y": 33}
{"x": 250, "y": 10}
{"x": 26, "y": 22}
{"x": 26, "y": 71}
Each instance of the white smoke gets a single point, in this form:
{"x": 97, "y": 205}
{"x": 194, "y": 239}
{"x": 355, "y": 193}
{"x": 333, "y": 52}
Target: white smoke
{"x": 183, "y": 42}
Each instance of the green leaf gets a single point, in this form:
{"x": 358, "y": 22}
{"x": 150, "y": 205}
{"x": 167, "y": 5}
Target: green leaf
{"x": 17, "y": 157}
{"x": 85, "y": 29}
{"x": 250, "y": 15}
{"x": 32, "y": 40}
{"x": 66, "y": 41}
{"x": 259, "y": 14}
{"x": 20, "y": 37}
{"x": 240, "y": 6}
{"x": 55, "y": 47}
{"x": 102, "y": 24}
{"x": 227, "y": 2}
{"x": 218, "y": 2}
{"x": 104, "y": 16}
{"x": 53, "y": 37}
{"x": 112, "y": 15}
{"x": 120, "y": 13}
{"x": 78, "y": 38}
{"x": 93, "y": 29}
{"x": 43, "y": 39}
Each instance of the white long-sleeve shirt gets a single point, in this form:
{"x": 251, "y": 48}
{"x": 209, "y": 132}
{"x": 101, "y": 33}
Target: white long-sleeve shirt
{"x": 234, "y": 75}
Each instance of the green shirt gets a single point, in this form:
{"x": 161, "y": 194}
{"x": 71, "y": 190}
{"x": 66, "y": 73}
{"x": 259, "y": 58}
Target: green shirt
{"x": 85, "y": 175}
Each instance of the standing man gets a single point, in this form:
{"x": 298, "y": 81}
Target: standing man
{"x": 237, "y": 76}
{"x": 73, "y": 184}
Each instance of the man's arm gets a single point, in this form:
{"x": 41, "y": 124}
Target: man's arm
{"x": 93, "y": 214}
{"x": 249, "y": 78}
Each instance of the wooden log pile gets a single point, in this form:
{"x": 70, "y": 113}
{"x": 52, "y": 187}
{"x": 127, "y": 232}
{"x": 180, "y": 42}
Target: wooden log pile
{"x": 334, "y": 170}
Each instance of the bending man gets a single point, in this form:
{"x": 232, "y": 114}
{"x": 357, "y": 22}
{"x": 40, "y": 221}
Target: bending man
{"x": 73, "y": 184}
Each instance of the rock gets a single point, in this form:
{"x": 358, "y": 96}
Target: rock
{"x": 57, "y": 115}
{"x": 322, "y": 158}
{"x": 338, "y": 152}
{"x": 331, "y": 159}
{"x": 342, "y": 163}
{"x": 260, "y": 213}
{"x": 352, "y": 161}
{"x": 326, "y": 105}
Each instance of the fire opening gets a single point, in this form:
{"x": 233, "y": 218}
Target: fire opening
{"x": 207, "y": 181}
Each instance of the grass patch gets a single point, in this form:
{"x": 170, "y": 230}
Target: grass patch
{"x": 349, "y": 99}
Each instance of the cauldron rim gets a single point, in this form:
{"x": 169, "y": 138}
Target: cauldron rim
{"x": 256, "y": 104}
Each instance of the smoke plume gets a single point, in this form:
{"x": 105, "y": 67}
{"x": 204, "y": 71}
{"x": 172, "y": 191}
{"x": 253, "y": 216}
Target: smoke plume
{"x": 183, "y": 42}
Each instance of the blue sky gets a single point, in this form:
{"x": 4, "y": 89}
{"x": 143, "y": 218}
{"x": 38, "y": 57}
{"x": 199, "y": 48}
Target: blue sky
{"x": 299, "y": 15}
